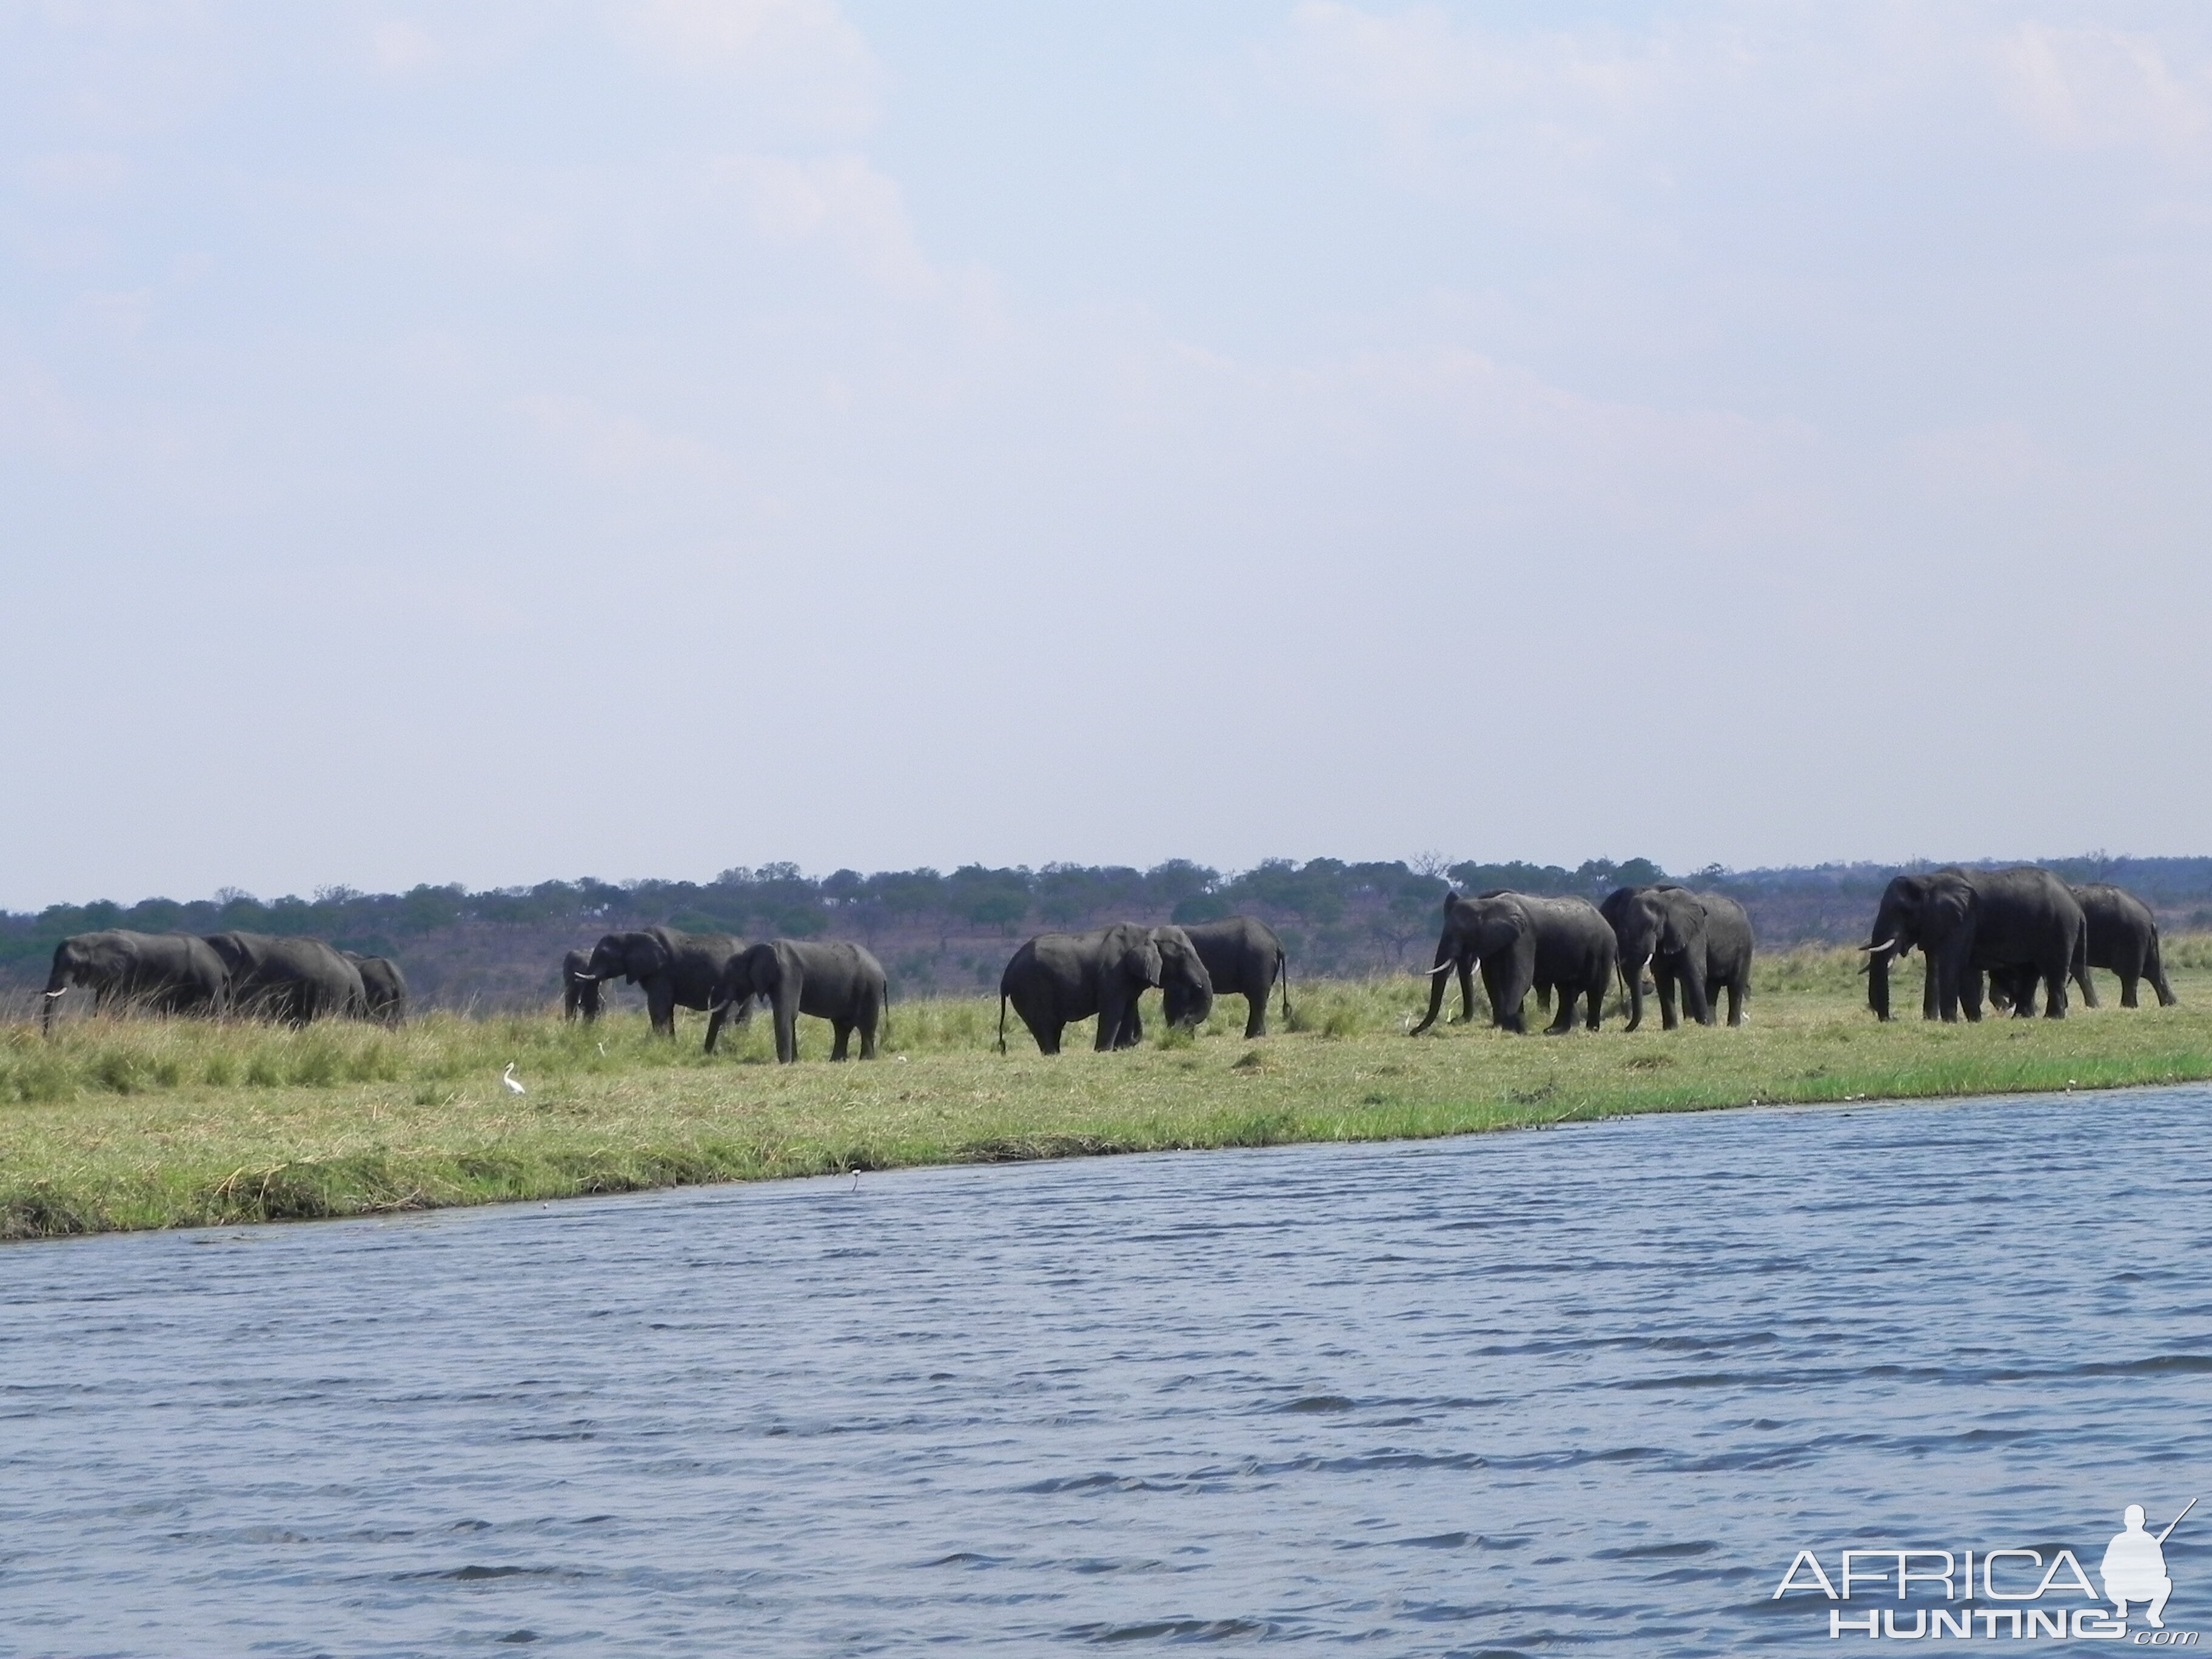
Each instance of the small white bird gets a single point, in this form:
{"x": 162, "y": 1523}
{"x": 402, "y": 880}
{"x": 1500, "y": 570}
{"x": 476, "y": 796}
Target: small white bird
{"x": 508, "y": 1078}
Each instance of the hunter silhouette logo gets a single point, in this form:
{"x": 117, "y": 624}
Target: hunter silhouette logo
{"x": 2134, "y": 1566}
{"x": 2018, "y": 1592}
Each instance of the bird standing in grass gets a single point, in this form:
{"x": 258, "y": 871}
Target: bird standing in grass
{"x": 514, "y": 1083}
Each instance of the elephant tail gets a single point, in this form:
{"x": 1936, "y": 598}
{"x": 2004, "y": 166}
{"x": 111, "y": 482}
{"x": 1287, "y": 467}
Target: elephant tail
{"x": 1002, "y": 1022}
{"x": 1283, "y": 973}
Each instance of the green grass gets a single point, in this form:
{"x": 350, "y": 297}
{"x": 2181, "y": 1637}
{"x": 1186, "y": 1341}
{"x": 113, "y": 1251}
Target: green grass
{"x": 120, "y": 1124}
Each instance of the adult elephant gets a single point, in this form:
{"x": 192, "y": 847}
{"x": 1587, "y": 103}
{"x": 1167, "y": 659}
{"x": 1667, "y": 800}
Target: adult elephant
{"x": 160, "y": 973}
{"x": 675, "y": 970}
{"x": 579, "y": 991}
{"x": 383, "y": 989}
{"x": 842, "y": 984}
{"x": 1243, "y": 958}
{"x": 1056, "y": 979}
{"x": 1699, "y": 941}
{"x": 293, "y": 980}
{"x": 1523, "y": 943}
{"x": 1969, "y": 923}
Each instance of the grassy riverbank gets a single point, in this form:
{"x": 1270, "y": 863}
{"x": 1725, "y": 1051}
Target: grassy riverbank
{"x": 145, "y": 1123}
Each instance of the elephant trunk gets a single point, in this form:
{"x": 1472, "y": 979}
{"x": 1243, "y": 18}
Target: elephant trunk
{"x": 46, "y": 1009}
{"x": 1439, "y": 982}
{"x": 1878, "y": 982}
{"x": 1635, "y": 974}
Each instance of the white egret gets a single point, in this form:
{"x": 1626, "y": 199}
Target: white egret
{"x": 512, "y": 1082}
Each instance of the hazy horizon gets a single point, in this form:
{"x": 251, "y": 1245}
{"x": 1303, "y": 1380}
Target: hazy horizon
{"x": 446, "y": 444}
{"x": 1420, "y": 863}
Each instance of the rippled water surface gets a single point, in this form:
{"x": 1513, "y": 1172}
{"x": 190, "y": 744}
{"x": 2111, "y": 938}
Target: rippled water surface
{"x": 1580, "y": 1390}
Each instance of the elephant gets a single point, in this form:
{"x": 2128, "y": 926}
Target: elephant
{"x": 2123, "y": 939}
{"x": 1057, "y": 978}
{"x": 161, "y": 973}
{"x": 842, "y": 984}
{"x": 1968, "y": 923}
{"x": 1242, "y": 957}
{"x": 1523, "y": 943}
{"x": 383, "y": 989}
{"x": 1702, "y": 940}
{"x": 675, "y": 969}
{"x": 579, "y": 991}
{"x": 292, "y": 980}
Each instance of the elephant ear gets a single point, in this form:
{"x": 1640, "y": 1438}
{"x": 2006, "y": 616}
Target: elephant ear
{"x": 1144, "y": 964}
{"x": 649, "y": 953}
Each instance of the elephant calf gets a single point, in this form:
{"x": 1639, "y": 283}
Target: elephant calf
{"x": 1056, "y": 979}
{"x": 842, "y": 984}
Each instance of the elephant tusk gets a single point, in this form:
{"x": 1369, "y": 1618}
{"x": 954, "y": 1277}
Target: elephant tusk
{"x": 1866, "y": 950}
{"x": 61, "y": 993}
{"x": 1440, "y": 967}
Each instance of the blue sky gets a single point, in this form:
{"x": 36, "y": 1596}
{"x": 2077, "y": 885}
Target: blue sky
{"x": 496, "y": 442}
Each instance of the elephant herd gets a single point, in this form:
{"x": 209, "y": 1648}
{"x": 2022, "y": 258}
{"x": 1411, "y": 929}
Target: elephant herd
{"x": 719, "y": 975}
{"x": 1993, "y": 936}
{"x": 2000, "y": 932}
{"x": 1052, "y": 981}
{"x": 254, "y": 975}
{"x": 2011, "y": 931}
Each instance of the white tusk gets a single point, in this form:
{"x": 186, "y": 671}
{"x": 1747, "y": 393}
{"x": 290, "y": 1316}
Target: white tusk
{"x": 1867, "y": 950}
{"x": 1440, "y": 967}
{"x": 61, "y": 993}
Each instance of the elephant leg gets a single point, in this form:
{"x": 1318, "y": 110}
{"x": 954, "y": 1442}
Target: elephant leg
{"x": 1735, "y": 1001}
{"x": 1563, "y": 1020}
{"x": 2054, "y": 1001}
{"x": 871, "y": 1016}
{"x": 1503, "y": 1014}
{"x": 1255, "y": 1017}
{"x": 1663, "y": 976}
{"x": 2128, "y": 983}
{"x": 844, "y": 1029}
{"x": 714, "y": 1026}
{"x": 1467, "y": 991}
{"x": 1593, "y": 1004}
{"x": 2155, "y": 971}
{"x": 661, "y": 1008}
{"x": 786, "y": 1027}
{"x": 1110, "y": 1013}
{"x": 1697, "y": 1004}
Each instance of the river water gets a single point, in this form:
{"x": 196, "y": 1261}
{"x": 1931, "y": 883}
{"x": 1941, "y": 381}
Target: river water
{"x": 1585, "y": 1390}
